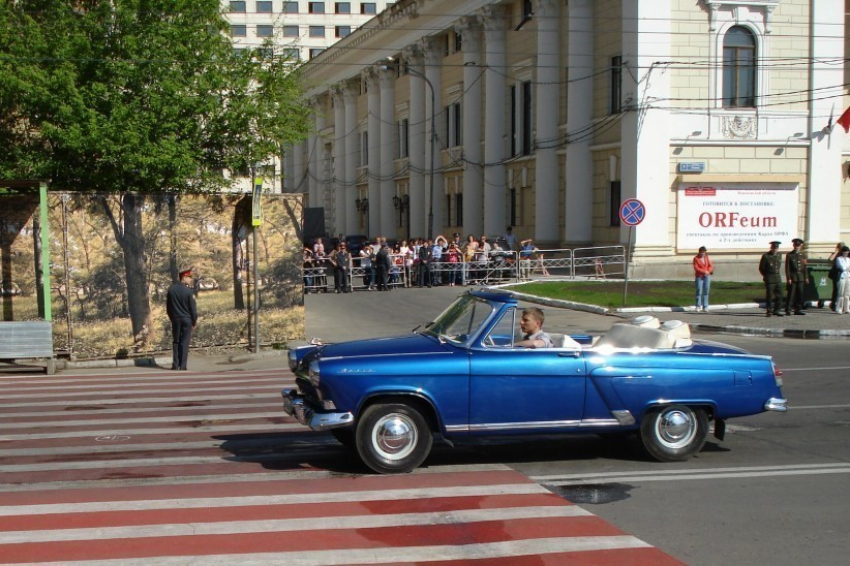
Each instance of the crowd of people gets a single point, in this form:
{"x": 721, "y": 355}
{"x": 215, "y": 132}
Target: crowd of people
{"x": 421, "y": 262}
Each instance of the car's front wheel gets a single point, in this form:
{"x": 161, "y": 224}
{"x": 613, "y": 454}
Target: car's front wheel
{"x": 674, "y": 433}
{"x": 393, "y": 439}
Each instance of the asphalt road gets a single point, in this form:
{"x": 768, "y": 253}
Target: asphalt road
{"x": 776, "y": 491}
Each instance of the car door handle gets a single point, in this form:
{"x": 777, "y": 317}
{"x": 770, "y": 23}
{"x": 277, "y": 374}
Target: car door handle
{"x": 573, "y": 354}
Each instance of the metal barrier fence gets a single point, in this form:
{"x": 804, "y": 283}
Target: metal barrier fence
{"x": 498, "y": 267}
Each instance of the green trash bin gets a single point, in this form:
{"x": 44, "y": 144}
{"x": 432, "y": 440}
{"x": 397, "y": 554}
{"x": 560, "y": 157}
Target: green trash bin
{"x": 819, "y": 287}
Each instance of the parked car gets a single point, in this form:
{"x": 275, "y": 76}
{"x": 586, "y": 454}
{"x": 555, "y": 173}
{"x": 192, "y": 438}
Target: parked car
{"x": 461, "y": 377}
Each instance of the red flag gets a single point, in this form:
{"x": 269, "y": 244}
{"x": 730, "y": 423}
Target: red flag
{"x": 844, "y": 121}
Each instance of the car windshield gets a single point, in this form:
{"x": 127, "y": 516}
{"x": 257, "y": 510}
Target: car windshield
{"x": 461, "y": 320}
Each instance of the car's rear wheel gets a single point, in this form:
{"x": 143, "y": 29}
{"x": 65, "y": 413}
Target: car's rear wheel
{"x": 393, "y": 439}
{"x": 674, "y": 433}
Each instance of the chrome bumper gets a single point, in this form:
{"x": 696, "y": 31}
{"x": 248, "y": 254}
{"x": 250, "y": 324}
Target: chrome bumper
{"x": 294, "y": 404}
{"x": 776, "y": 404}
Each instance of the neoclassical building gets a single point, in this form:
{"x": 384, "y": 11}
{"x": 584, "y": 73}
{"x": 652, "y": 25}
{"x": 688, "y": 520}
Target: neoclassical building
{"x": 716, "y": 116}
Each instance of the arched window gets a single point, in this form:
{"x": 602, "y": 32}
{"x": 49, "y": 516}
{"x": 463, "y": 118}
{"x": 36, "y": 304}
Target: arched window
{"x": 739, "y": 68}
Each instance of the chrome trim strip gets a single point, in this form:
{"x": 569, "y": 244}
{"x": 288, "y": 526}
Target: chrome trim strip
{"x": 624, "y": 417}
{"x": 589, "y": 423}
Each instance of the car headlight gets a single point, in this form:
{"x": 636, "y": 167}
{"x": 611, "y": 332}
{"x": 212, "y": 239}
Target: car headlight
{"x": 315, "y": 377}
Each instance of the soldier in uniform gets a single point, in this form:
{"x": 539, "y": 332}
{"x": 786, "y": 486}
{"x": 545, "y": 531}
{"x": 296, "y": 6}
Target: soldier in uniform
{"x": 770, "y": 268}
{"x": 342, "y": 268}
{"x": 796, "y": 276}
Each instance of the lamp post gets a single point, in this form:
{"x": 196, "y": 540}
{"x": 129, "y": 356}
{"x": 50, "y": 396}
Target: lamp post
{"x": 413, "y": 71}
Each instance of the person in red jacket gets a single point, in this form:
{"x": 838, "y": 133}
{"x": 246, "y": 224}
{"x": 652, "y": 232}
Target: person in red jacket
{"x": 703, "y": 268}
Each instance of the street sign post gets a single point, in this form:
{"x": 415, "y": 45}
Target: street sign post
{"x": 632, "y": 213}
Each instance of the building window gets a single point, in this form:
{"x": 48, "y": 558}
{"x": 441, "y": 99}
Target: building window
{"x": 512, "y": 207}
{"x": 614, "y": 203}
{"x": 316, "y": 7}
{"x": 364, "y": 149}
{"x": 459, "y": 209}
{"x": 342, "y": 8}
{"x": 616, "y": 84}
{"x": 238, "y": 31}
{"x": 368, "y": 8}
{"x": 265, "y": 31}
{"x": 342, "y": 31}
{"x": 290, "y": 8}
{"x": 458, "y": 42}
{"x": 739, "y": 68}
{"x": 403, "y": 129}
{"x": 290, "y": 31}
{"x": 314, "y": 52}
{"x": 292, "y": 53}
{"x": 264, "y": 7}
{"x": 447, "y": 220}
{"x": 454, "y": 125}
{"x": 317, "y": 31}
{"x": 237, "y": 7}
{"x": 521, "y": 118}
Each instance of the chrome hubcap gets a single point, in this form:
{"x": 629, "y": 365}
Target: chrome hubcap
{"x": 676, "y": 428}
{"x": 394, "y": 436}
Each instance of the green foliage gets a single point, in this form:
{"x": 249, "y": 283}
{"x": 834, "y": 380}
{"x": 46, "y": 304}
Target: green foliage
{"x": 136, "y": 95}
{"x": 644, "y": 293}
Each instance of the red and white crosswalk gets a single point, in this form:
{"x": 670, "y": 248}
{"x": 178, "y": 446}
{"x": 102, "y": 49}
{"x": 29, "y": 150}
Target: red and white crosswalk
{"x": 158, "y": 468}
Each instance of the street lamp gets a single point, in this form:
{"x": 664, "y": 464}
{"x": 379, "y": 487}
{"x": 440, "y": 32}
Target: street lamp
{"x": 413, "y": 71}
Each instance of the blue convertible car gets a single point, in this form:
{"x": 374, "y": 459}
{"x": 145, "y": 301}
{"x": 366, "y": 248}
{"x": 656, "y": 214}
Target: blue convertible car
{"x": 463, "y": 378}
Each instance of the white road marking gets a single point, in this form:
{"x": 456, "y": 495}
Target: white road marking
{"x": 139, "y": 420}
{"x": 92, "y": 398}
{"x": 176, "y": 398}
{"x": 263, "y": 500}
{"x": 694, "y": 474}
{"x": 289, "y": 475}
{"x": 394, "y": 555}
{"x": 290, "y": 525}
{"x": 130, "y": 410}
{"x": 271, "y": 428}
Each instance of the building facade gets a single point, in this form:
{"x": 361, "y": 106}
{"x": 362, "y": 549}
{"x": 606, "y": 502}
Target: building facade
{"x": 713, "y": 119}
{"x": 301, "y": 28}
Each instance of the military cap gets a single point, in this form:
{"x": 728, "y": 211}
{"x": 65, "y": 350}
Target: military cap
{"x": 797, "y": 242}
{"x": 775, "y": 244}
{"x": 185, "y": 272}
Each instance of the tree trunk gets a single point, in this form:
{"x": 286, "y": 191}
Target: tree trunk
{"x": 132, "y": 242}
{"x": 173, "y": 268}
{"x": 236, "y": 262}
{"x": 39, "y": 272}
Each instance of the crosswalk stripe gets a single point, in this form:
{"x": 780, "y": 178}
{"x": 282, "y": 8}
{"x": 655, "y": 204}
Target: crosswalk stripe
{"x": 289, "y": 525}
{"x": 18, "y": 417}
{"x": 289, "y": 499}
{"x": 139, "y": 420}
{"x": 479, "y": 551}
{"x": 150, "y": 431}
{"x": 171, "y": 399}
{"x": 94, "y": 397}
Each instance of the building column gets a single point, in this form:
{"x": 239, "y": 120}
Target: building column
{"x": 473, "y": 176}
{"x": 317, "y": 150}
{"x": 433, "y": 67}
{"x": 386, "y": 170}
{"x": 495, "y": 84}
{"x": 578, "y": 176}
{"x": 417, "y": 133}
{"x": 547, "y": 230}
{"x": 352, "y": 218}
{"x": 373, "y": 129}
{"x": 339, "y": 170}
{"x": 645, "y": 131}
{"x": 825, "y": 167}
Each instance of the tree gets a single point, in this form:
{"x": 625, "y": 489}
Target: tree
{"x": 136, "y": 97}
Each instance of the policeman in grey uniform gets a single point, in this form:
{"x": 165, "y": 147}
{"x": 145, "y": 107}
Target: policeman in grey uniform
{"x": 770, "y": 268}
{"x": 183, "y": 314}
{"x": 796, "y": 276}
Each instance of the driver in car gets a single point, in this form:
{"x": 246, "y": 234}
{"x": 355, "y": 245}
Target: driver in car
{"x": 531, "y": 324}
